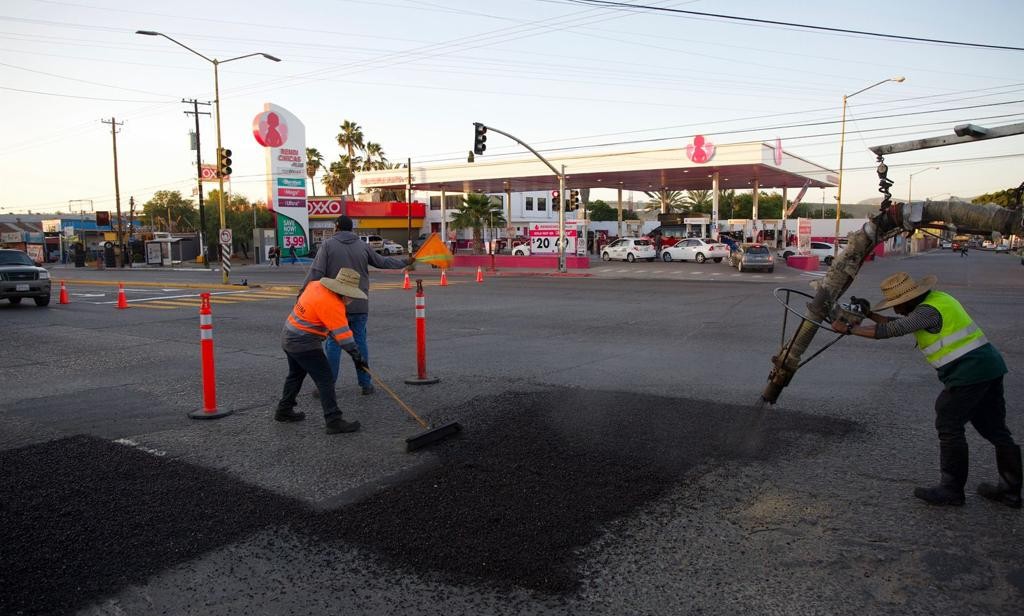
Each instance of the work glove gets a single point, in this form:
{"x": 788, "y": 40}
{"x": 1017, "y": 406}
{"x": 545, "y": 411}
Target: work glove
{"x": 862, "y": 304}
{"x": 358, "y": 360}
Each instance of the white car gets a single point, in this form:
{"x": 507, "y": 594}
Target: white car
{"x": 823, "y": 250}
{"x": 393, "y": 248}
{"x": 695, "y": 249}
{"x": 375, "y": 241}
{"x": 522, "y": 250}
{"x": 629, "y": 249}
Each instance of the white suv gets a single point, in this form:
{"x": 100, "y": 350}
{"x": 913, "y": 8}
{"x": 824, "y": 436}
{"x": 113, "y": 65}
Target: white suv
{"x": 823, "y": 250}
{"x": 375, "y": 241}
{"x": 630, "y": 249}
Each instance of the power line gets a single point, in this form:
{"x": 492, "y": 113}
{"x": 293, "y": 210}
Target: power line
{"x": 627, "y": 5}
{"x": 89, "y": 98}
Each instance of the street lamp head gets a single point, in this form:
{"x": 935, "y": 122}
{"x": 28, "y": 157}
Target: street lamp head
{"x": 900, "y": 79}
{"x": 147, "y": 32}
{"x": 270, "y": 57}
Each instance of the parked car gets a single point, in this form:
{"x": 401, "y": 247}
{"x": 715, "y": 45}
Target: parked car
{"x": 753, "y": 257}
{"x": 20, "y": 277}
{"x": 392, "y": 248}
{"x": 521, "y": 250}
{"x": 944, "y": 244}
{"x": 823, "y": 250}
{"x": 629, "y": 249}
{"x": 695, "y": 249}
{"x": 375, "y": 241}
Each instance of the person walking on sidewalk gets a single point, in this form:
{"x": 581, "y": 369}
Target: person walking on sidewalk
{"x": 971, "y": 371}
{"x": 319, "y": 313}
{"x": 344, "y": 249}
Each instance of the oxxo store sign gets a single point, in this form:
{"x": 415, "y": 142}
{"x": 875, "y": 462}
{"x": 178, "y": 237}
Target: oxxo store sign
{"x": 284, "y": 137}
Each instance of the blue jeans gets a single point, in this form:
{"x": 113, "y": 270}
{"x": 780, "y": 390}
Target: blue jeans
{"x": 357, "y": 323}
{"x": 315, "y": 365}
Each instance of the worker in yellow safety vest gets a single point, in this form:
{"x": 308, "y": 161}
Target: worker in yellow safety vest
{"x": 971, "y": 371}
{"x": 319, "y": 313}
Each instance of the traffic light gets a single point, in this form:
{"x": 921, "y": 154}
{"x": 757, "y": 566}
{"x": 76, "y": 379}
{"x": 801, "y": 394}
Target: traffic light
{"x": 102, "y": 219}
{"x": 479, "y": 138}
{"x": 554, "y": 201}
{"x": 574, "y": 199}
{"x": 223, "y": 162}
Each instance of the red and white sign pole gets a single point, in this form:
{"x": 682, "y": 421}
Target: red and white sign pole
{"x": 421, "y": 340}
{"x": 209, "y": 410}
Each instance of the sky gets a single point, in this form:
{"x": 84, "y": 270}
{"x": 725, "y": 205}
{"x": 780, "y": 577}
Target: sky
{"x": 415, "y": 75}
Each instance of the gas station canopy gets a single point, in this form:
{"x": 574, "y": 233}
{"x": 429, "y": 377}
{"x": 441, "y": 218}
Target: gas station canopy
{"x": 739, "y": 166}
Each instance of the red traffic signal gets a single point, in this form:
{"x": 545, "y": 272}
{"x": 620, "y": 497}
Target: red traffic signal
{"x": 554, "y": 194}
{"x": 102, "y": 219}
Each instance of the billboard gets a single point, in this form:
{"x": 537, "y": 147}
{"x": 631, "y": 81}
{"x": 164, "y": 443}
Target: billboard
{"x": 284, "y": 138}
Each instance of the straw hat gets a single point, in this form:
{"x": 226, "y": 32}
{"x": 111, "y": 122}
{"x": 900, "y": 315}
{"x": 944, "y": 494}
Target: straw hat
{"x": 345, "y": 283}
{"x": 900, "y": 287}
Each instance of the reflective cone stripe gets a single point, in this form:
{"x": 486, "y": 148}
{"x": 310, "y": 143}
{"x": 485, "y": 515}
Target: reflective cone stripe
{"x": 63, "y": 294}
{"x": 206, "y": 347}
{"x": 122, "y": 301}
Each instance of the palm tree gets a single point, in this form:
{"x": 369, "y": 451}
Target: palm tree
{"x": 727, "y": 197}
{"x": 666, "y": 201}
{"x": 338, "y": 178}
{"x": 476, "y": 212}
{"x": 314, "y": 163}
{"x": 350, "y": 139}
{"x": 698, "y": 201}
{"x": 375, "y": 158}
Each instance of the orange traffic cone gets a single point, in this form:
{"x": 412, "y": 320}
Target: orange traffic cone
{"x": 63, "y": 294}
{"x": 444, "y": 277}
{"x": 405, "y": 285}
{"x": 122, "y": 301}
{"x": 479, "y": 274}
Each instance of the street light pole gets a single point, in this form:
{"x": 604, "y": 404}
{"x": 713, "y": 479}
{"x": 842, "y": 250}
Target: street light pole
{"x": 910, "y": 183}
{"x": 216, "y": 94}
{"x": 842, "y": 142}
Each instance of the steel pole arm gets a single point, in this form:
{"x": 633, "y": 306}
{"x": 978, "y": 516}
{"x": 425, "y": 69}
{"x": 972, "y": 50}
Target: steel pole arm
{"x": 527, "y": 146}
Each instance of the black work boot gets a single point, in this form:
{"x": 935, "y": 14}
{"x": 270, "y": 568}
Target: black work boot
{"x": 337, "y": 425}
{"x": 1007, "y": 491}
{"x": 288, "y": 414}
{"x": 953, "y": 466}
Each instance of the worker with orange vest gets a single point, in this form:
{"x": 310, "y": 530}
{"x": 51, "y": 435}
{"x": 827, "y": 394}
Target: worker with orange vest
{"x": 319, "y": 313}
{"x": 971, "y": 371}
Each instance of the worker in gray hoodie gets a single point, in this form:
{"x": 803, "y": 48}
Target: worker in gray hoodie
{"x": 344, "y": 249}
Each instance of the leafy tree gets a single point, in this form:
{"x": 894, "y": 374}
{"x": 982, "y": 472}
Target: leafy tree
{"x": 599, "y": 211}
{"x": 351, "y": 140}
{"x": 169, "y": 211}
{"x": 699, "y": 201}
{"x": 1004, "y": 198}
{"x": 338, "y": 178}
{"x": 476, "y": 212}
{"x": 314, "y": 163}
{"x": 666, "y": 201}
{"x": 375, "y": 158}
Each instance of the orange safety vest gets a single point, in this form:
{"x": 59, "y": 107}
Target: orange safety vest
{"x": 320, "y": 312}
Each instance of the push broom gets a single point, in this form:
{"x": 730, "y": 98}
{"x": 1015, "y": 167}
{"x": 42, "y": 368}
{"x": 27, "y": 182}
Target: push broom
{"x": 432, "y": 435}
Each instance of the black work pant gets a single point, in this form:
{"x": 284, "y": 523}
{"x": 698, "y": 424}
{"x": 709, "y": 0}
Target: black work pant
{"x": 982, "y": 404}
{"x": 314, "y": 363}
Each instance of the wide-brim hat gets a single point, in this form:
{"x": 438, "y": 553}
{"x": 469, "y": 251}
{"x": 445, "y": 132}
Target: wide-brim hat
{"x": 345, "y": 283}
{"x": 900, "y": 287}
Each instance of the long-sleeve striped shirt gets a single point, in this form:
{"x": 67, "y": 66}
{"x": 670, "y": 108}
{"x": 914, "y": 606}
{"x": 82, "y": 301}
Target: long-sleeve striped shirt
{"x": 922, "y": 317}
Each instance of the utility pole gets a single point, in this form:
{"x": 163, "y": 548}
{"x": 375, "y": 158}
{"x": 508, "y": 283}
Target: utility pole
{"x": 117, "y": 186}
{"x": 199, "y": 175}
{"x": 131, "y": 227}
{"x": 408, "y": 204}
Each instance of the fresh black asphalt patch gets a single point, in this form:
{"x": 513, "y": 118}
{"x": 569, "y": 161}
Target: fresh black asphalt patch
{"x": 535, "y": 478}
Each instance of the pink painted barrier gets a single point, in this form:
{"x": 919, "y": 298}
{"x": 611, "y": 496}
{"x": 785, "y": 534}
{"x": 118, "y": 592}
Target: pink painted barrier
{"x": 803, "y": 262}
{"x": 532, "y": 261}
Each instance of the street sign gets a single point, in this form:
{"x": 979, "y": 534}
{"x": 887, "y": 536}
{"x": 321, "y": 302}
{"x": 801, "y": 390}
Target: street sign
{"x": 208, "y": 173}
{"x": 225, "y": 236}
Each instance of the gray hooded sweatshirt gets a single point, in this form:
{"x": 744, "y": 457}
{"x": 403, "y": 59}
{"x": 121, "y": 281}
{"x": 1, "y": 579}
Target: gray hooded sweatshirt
{"x": 345, "y": 249}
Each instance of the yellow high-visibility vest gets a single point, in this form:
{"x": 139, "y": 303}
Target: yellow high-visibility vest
{"x": 958, "y": 337}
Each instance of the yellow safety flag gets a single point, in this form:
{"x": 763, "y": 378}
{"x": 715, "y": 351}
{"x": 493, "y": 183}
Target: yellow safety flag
{"x": 434, "y": 252}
